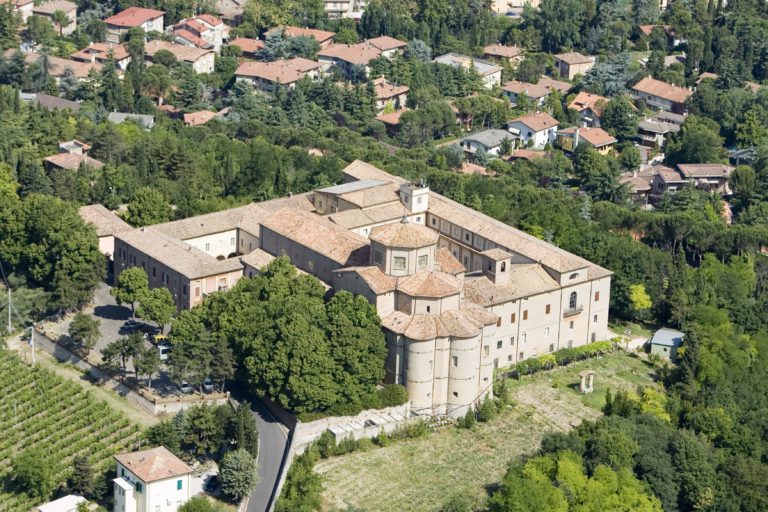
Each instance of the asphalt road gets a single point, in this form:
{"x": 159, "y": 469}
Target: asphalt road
{"x": 273, "y": 438}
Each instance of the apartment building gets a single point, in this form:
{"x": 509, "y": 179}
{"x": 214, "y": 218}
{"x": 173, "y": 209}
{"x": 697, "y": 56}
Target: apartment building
{"x": 459, "y": 293}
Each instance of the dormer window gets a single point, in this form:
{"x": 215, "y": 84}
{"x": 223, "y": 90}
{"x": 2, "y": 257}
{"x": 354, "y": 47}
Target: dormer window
{"x": 422, "y": 261}
{"x": 573, "y": 276}
{"x": 398, "y": 263}
{"x": 503, "y": 266}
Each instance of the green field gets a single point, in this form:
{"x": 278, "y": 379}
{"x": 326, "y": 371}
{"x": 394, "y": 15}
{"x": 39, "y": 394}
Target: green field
{"x": 419, "y": 474}
{"x": 42, "y": 410}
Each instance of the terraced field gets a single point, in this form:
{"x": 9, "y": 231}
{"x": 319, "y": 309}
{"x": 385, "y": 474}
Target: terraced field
{"x": 42, "y": 410}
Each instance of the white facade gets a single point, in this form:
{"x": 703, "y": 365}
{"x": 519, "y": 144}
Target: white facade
{"x": 540, "y": 138}
{"x": 134, "y": 495}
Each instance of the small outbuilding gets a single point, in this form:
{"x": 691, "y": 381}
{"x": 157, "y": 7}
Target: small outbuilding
{"x": 68, "y": 503}
{"x": 666, "y": 342}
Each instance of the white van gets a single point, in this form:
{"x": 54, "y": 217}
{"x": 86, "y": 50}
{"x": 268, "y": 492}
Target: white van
{"x": 163, "y": 349}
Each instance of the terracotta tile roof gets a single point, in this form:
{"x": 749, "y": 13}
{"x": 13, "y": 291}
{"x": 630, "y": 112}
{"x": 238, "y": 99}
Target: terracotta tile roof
{"x": 210, "y": 19}
{"x": 360, "y": 53}
{"x": 574, "y": 58}
{"x": 55, "y": 103}
{"x": 104, "y": 220}
{"x": 57, "y": 65}
{"x": 499, "y": 50}
{"x": 393, "y": 118}
{"x": 647, "y": 29}
{"x": 705, "y": 170}
{"x": 534, "y": 91}
{"x": 190, "y": 37}
{"x": 462, "y": 323}
{"x": 537, "y": 122}
{"x": 191, "y": 24}
{"x": 72, "y": 161}
{"x": 426, "y": 283}
{"x": 101, "y": 52}
{"x": 496, "y": 254}
{"x": 356, "y": 218}
{"x": 153, "y": 464}
{"x": 17, "y": 3}
{"x": 551, "y": 84}
{"x": 198, "y": 118}
{"x": 482, "y": 67}
{"x": 360, "y": 170}
{"x": 133, "y": 17}
{"x": 528, "y": 154}
{"x": 595, "y": 136}
{"x": 505, "y": 236}
{"x": 320, "y": 36}
{"x": 321, "y": 236}
{"x": 49, "y": 8}
{"x": 247, "y": 45}
{"x": 384, "y": 89}
{"x": 663, "y": 90}
{"x": 636, "y": 183}
{"x": 385, "y": 43}
{"x": 524, "y": 280}
{"x": 372, "y": 196}
{"x": 669, "y": 175}
{"x": 446, "y": 262}
{"x": 377, "y": 281}
{"x": 406, "y": 235}
{"x": 183, "y": 53}
{"x": 279, "y": 71}
{"x": 257, "y": 259}
{"x": 585, "y": 100}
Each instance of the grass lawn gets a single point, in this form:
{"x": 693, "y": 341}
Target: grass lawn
{"x": 420, "y": 474}
{"x": 638, "y": 330}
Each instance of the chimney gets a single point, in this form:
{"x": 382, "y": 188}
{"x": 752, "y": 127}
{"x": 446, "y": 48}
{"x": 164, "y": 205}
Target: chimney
{"x": 576, "y": 138}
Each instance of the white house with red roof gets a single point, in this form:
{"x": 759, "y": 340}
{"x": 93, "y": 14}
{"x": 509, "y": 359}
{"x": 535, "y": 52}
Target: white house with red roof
{"x": 150, "y": 20}
{"x": 151, "y": 480}
{"x": 534, "y": 130}
{"x": 203, "y": 31}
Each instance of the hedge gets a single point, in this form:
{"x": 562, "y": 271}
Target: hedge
{"x": 561, "y": 357}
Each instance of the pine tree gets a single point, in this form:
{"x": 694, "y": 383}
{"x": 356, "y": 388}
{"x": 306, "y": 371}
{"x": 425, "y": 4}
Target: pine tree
{"x": 81, "y": 481}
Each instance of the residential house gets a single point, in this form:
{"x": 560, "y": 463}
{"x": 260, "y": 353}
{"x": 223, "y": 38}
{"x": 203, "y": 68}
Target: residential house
{"x": 570, "y": 138}
{"x": 388, "y": 46}
{"x": 488, "y": 141}
{"x": 534, "y": 130}
{"x": 708, "y": 177}
{"x": 551, "y": 84}
{"x": 489, "y": 72}
{"x": 58, "y": 67}
{"x": 512, "y": 8}
{"x": 21, "y": 7}
{"x": 68, "y": 503}
{"x": 52, "y": 102}
{"x": 202, "y": 31}
{"x": 198, "y": 118}
{"x": 149, "y": 20}
{"x": 652, "y": 131}
{"x": 347, "y": 57}
{"x": 72, "y": 154}
{"x": 152, "y": 480}
{"x": 144, "y": 120}
{"x": 389, "y": 94}
{"x": 536, "y": 94}
{"x": 661, "y": 95}
{"x": 511, "y": 54}
{"x": 323, "y": 37}
{"x": 458, "y": 293}
{"x": 666, "y": 342}
{"x": 706, "y": 76}
{"x": 743, "y": 156}
{"x": 571, "y": 64}
{"x": 201, "y": 60}
{"x": 672, "y": 37}
{"x": 250, "y": 47}
{"x": 352, "y": 9}
{"x": 48, "y": 9}
{"x": 392, "y": 120}
{"x": 107, "y": 224}
{"x": 639, "y": 183}
{"x": 269, "y": 76}
{"x": 590, "y": 108}
{"x": 102, "y": 52}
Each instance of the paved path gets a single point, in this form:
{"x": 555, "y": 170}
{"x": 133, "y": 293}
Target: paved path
{"x": 273, "y": 439}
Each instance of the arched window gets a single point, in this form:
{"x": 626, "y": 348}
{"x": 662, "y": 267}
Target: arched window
{"x": 572, "y": 301}
{"x": 573, "y": 276}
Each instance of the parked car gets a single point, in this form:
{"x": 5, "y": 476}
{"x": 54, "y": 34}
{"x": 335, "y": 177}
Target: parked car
{"x": 163, "y": 350}
{"x": 159, "y": 339}
{"x": 185, "y": 387}
{"x": 130, "y": 326}
{"x": 211, "y": 484}
{"x": 208, "y": 385}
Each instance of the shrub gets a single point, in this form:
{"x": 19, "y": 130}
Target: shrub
{"x": 469, "y": 419}
{"x": 238, "y": 474}
{"x": 487, "y": 411}
{"x": 345, "y": 409}
{"x": 392, "y": 395}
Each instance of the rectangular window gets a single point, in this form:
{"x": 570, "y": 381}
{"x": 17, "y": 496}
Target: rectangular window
{"x": 197, "y": 291}
{"x": 594, "y": 319}
{"x": 422, "y": 261}
{"x": 513, "y": 318}
{"x": 418, "y": 218}
{"x": 486, "y": 350}
{"x": 178, "y": 485}
{"x": 522, "y": 356}
{"x": 232, "y": 241}
{"x": 498, "y": 322}
{"x": 551, "y": 347}
{"x": 523, "y": 338}
{"x": 184, "y": 289}
{"x": 455, "y": 360}
{"x": 138, "y": 486}
{"x": 570, "y": 325}
{"x": 398, "y": 263}
{"x": 547, "y": 309}
{"x": 498, "y": 344}
{"x": 154, "y": 271}
{"x": 546, "y": 332}
{"x": 495, "y": 363}
{"x": 509, "y": 357}
{"x": 434, "y": 221}
{"x": 466, "y": 237}
{"x": 207, "y": 246}
{"x": 512, "y": 341}
{"x": 597, "y": 296}
{"x": 525, "y": 315}
{"x": 418, "y": 200}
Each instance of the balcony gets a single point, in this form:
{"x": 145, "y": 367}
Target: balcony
{"x": 572, "y": 311}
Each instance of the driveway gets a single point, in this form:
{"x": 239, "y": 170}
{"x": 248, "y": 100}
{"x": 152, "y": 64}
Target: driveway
{"x": 273, "y": 439}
